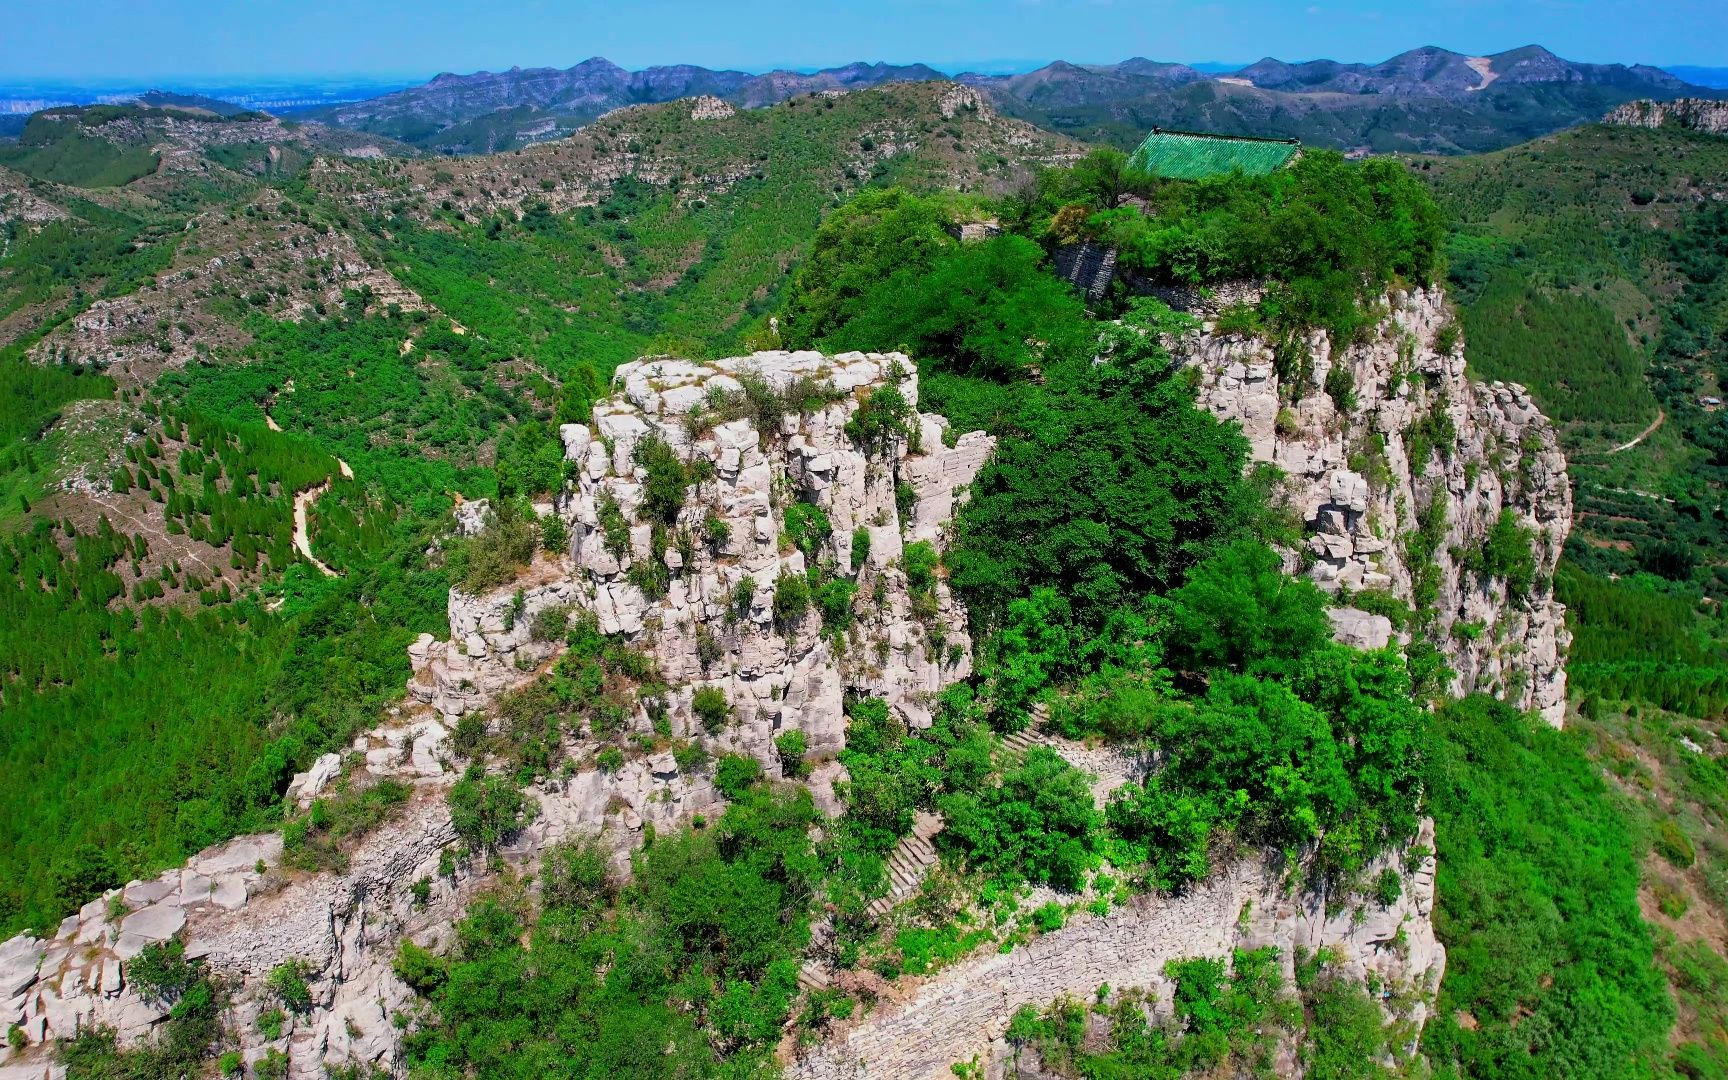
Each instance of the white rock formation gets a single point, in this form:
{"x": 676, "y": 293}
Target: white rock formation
{"x": 702, "y": 632}
{"x": 240, "y": 911}
{"x": 1689, "y": 114}
{"x": 709, "y": 107}
{"x": 1350, "y": 478}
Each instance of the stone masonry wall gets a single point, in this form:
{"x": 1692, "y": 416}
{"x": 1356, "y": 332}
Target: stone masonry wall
{"x": 963, "y": 1011}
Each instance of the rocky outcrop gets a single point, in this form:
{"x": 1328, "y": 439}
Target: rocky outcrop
{"x": 708, "y": 107}
{"x": 289, "y": 265}
{"x": 715, "y": 570}
{"x": 727, "y": 553}
{"x": 1689, "y": 114}
{"x": 241, "y": 910}
{"x": 962, "y": 1013}
{"x": 1344, "y": 426}
{"x": 492, "y": 645}
{"x": 244, "y": 912}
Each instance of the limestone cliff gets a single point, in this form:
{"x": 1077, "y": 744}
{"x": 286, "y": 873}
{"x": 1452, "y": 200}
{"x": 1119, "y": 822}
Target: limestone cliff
{"x": 712, "y": 623}
{"x": 708, "y": 613}
{"x": 1690, "y": 114}
{"x": 1373, "y": 436}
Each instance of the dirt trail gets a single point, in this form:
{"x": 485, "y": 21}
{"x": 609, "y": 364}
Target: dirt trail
{"x": 303, "y": 505}
{"x": 303, "y": 542}
{"x": 1645, "y": 434}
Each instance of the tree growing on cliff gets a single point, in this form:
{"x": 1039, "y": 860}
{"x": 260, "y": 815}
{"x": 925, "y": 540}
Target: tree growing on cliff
{"x": 486, "y": 811}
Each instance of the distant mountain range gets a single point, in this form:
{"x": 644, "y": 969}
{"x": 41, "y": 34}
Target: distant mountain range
{"x": 1425, "y": 99}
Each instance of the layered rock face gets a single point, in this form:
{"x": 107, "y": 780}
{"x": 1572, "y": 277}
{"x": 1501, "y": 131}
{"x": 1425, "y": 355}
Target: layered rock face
{"x": 962, "y": 1013}
{"x": 1347, "y": 456}
{"x": 717, "y": 623}
{"x": 1690, "y": 114}
{"x": 715, "y": 570}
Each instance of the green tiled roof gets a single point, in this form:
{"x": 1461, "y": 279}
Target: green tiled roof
{"x": 1190, "y": 155}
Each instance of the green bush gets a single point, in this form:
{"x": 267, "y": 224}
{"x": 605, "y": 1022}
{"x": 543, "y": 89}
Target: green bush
{"x": 287, "y": 982}
{"x": 271, "y": 1023}
{"x": 735, "y": 774}
{"x": 663, "y": 492}
{"x": 791, "y": 598}
{"x": 161, "y": 973}
{"x": 486, "y": 811}
{"x": 860, "y": 547}
{"x": 1674, "y": 845}
{"x": 710, "y": 706}
{"x": 422, "y": 971}
{"x": 1038, "y": 820}
{"x": 791, "y": 745}
{"x": 725, "y": 908}
{"x": 498, "y": 553}
{"x": 881, "y": 419}
{"x": 807, "y": 527}
{"x": 1507, "y": 554}
{"x": 550, "y": 624}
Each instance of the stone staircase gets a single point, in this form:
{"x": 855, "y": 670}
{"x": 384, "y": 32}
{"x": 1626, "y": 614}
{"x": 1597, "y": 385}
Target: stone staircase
{"x": 910, "y": 860}
{"x": 1110, "y": 768}
{"x": 812, "y": 976}
{"x": 1088, "y": 267}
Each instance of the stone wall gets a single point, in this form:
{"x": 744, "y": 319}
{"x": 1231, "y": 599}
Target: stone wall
{"x": 1351, "y": 481}
{"x": 961, "y": 1013}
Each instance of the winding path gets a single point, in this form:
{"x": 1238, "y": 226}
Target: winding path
{"x": 1645, "y": 434}
{"x": 303, "y": 542}
{"x": 303, "y": 506}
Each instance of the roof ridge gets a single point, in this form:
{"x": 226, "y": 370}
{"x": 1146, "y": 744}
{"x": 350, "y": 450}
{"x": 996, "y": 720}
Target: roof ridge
{"x": 1223, "y": 137}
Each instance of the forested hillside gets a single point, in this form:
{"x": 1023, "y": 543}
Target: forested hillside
{"x": 1589, "y": 266}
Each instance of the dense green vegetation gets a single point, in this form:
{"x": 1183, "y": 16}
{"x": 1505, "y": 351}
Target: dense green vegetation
{"x": 72, "y": 157}
{"x": 148, "y": 733}
{"x": 1549, "y": 964}
{"x": 1589, "y": 267}
{"x": 1227, "y": 1019}
{"x": 691, "y": 964}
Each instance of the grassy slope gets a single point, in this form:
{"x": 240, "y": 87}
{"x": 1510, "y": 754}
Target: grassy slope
{"x": 1570, "y": 279}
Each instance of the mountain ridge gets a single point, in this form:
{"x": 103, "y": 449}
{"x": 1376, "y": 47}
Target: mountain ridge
{"x": 486, "y": 111}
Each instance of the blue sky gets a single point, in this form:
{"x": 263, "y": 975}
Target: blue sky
{"x": 178, "y": 38}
